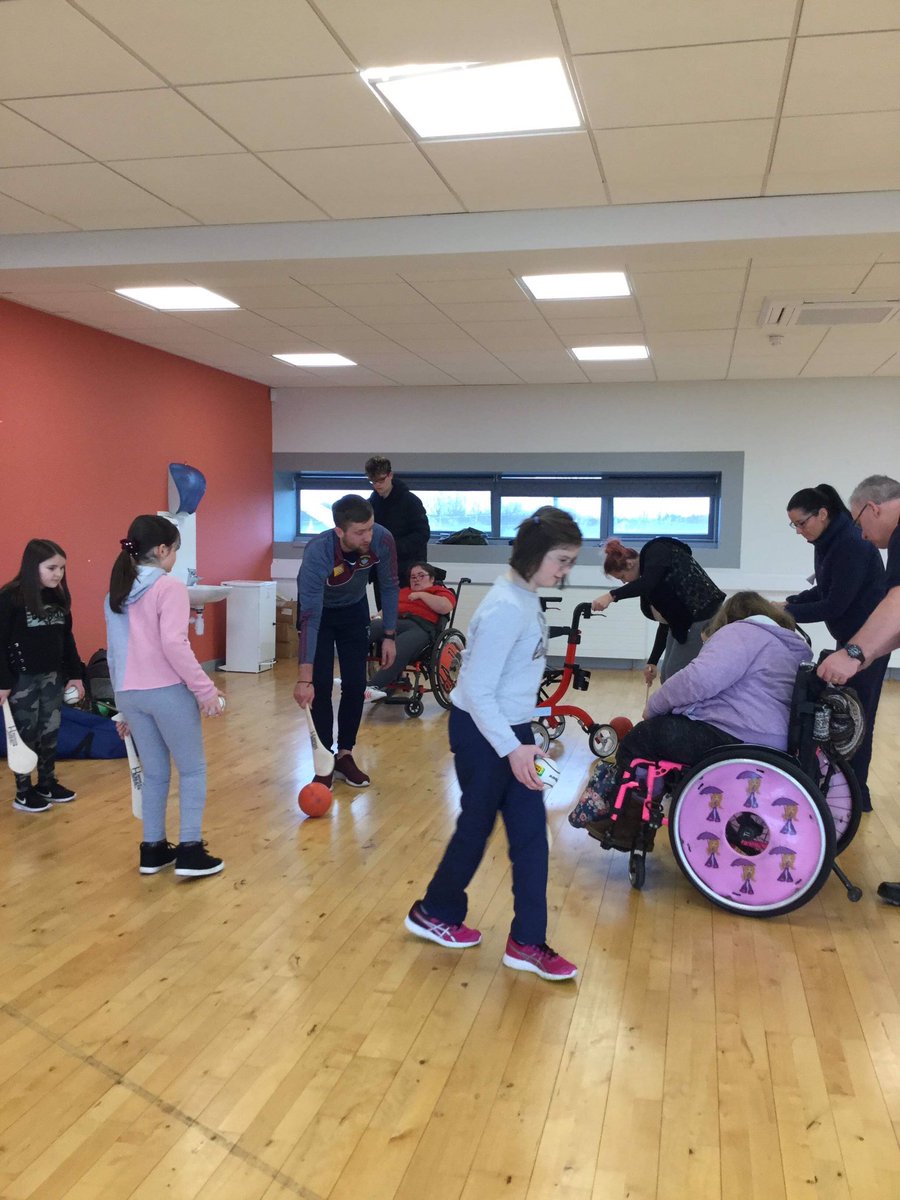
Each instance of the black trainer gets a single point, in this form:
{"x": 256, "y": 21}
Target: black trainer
{"x": 191, "y": 858}
{"x": 30, "y": 802}
{"x": 156, "y": 856}
{"x": 55, "y": 791}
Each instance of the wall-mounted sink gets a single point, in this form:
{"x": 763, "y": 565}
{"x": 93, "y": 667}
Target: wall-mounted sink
{"x": 201, "y": 594}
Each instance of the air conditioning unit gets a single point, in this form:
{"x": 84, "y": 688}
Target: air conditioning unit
{"x": 793, "y": 311}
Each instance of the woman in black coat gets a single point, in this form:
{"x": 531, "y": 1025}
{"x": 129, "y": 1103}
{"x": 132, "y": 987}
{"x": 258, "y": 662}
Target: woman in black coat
{"x": 849, "y": 584}
{"x": 673, "y": 589}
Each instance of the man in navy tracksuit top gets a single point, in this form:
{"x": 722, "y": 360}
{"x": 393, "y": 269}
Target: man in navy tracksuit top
{"x": 333, "y": 614}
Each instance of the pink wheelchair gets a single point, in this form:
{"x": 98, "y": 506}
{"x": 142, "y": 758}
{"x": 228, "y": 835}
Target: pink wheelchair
{"x": 757, "y": 831}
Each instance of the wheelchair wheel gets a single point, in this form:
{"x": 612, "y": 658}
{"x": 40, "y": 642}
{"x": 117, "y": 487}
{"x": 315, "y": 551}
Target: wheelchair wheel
{"x": 603, "y": 741}
{"x": 446, "y": 660}
{"x": 752, "y": 832}
{"x": 414, "y": 706}
{"x": 541, "y": 735}
{"x": 843, "y": 795}
{"x": 637, "y": 869}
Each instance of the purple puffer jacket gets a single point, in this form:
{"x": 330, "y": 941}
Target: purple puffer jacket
{"x": 741, "y": 682}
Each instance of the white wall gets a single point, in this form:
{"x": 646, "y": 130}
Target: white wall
{"x": 794, "y": 433}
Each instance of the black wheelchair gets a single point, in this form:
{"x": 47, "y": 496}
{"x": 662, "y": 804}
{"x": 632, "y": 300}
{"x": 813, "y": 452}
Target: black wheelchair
{"x": 756, "y": 830}
{"x": 435, "y": 669}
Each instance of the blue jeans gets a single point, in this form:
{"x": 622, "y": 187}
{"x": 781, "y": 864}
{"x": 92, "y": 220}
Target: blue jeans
{"x": 488, "y": 788}
{"x": 347, "y": 631}
{"x": 165, "y": 724}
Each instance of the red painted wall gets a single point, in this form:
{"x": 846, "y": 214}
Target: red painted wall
{"x": 88, "y": 425}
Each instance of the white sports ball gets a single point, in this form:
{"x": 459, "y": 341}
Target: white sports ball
{"x": 221, "y": 703}
{"x": 70, "y": 695}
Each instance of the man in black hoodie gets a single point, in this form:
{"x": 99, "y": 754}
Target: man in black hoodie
{"x": 401, "y": 512}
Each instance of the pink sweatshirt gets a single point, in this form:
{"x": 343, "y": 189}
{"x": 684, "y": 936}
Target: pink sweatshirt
{"x": 148, "y": 642}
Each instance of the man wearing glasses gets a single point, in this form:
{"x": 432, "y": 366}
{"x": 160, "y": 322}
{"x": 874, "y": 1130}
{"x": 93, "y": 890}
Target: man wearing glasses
{"x": 401, "y": 512}
{"x": 875, "y": 508}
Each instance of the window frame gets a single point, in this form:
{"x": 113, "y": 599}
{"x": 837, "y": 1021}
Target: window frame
{"x": 606, "y": 486}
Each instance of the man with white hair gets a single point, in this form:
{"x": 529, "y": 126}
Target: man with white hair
{"x": 875, "y": 508}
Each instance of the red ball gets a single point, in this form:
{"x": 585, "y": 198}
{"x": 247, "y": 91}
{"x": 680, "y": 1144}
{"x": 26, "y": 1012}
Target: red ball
{"x": 315, "y": 799}
{"x": 622, "y": 726}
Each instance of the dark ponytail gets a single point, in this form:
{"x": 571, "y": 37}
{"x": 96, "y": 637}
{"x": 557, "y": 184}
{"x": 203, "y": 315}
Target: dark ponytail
{"x": 26, "y": 587}
{"x": 145, "y": 533}
{"x": 810, "y": 500}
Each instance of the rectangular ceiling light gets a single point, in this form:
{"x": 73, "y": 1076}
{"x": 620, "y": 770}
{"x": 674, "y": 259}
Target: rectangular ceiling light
{"x": 579, "y": 285}
{"x": 460, "y": 100}
{"x": 177, "y": 299}
{"x": 316, "y": 360}
{"x": 609, "y": 353}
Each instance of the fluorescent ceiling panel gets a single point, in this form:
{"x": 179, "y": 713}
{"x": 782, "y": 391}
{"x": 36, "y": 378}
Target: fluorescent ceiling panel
{"x": 581, "y": 285}
{"x": 316, "y": 360}
{"x": 477, "y": 99}
{"x": 177, "y": 299}
{"x": 609, "y": 353}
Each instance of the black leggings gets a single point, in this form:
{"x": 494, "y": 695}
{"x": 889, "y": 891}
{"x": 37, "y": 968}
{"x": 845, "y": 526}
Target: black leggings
{"x": 676, "y": 738}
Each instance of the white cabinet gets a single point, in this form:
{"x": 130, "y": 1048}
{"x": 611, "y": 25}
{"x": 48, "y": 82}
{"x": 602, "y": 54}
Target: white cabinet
{"x": 250, "y": 625}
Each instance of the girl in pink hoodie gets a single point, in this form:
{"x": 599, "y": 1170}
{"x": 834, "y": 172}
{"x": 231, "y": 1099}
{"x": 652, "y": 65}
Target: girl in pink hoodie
{"x": 161, "y": 690}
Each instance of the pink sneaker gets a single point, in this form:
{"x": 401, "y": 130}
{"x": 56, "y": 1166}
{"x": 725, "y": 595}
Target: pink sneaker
{"x": 460, "y": 937}
{"x": 540, "y": 959}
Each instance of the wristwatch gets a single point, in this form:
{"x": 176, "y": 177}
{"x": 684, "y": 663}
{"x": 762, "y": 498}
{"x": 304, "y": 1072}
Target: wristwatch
{"x": 853, "y": 651}
{"x": 390, "y": 634}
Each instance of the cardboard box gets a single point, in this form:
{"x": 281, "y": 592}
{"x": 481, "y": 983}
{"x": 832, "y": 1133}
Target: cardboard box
{"x": 286, "y": 613}
{"x": 287, "y": 642}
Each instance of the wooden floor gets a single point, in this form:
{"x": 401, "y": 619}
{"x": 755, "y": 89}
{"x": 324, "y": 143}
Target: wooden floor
{"x": 273, "y": 1032}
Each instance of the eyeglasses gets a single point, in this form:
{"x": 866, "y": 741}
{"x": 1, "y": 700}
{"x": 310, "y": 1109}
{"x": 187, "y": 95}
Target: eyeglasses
{"x": 418, "y": 577}
{"x": 857, "y": 520}
{"x": 800, "y": 524}
{"x": 380, "y": 479}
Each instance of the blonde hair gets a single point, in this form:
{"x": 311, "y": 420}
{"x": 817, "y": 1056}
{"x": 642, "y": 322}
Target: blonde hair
{"x": 748, "y": 604}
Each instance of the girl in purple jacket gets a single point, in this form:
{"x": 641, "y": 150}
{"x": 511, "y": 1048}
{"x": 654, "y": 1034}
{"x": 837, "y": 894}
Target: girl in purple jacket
{"x": 737, "y": 689}
{"x": 161, "y": 690}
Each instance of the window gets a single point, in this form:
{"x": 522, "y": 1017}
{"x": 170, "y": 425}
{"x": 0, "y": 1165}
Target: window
{"x": 630, "y": 506}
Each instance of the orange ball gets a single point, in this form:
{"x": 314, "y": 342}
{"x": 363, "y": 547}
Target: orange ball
{"x": 622, "y": 726}
{"x": 315, "y": 799}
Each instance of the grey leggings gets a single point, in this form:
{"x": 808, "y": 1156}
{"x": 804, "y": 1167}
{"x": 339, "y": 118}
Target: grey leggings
{"x": 679, "y": 654}
{"x": 165, "y": 722}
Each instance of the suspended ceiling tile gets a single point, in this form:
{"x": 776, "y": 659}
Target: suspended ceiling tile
{"x": 366, "y": 181}
{"x": 718, "y": 310}
{"x": 397, "y": 367}
{"x": 686, "y": 283}
{"x": 429, "y": 31}
{"x": 832, "y": 277}
{"x": 397, "y": 314}
{"x": 685, "y": 162}
{"x": 837, "y": 16}
{"x": 145, "y": 124}
{"x": 295, "y": 114}
{"x": 517, "y": 310}
{"x": 798, "y": 345}
{"x": 23, "y": 144}
{"x": 583, "y": 332}
{"x": 549, "y": 366}
{"x": 395, "y": 292}
{"x": 554, "y": 171}
{"x": 311, "y": 318}
{"x": 630, "y": 372}
{"x": 703, "y": 355}
{"x": 282, "y": 296}
{"x": 21, "y": 218}
{"x": 882, "y": 281}
{"x": 221, "y": 189}
{"x": 891, "y": 367}
{"x": 621, "y": 308}
{"x": 472, "y": 367}
{"x": 604, "y": 25}
{"x": 734, "y": 82}
{"x": 841, "y": 153}
{"x": 205, "y": 41}
{"x": 501, "y": 336}
{"x": 89, "y": 196}
{"x": 502, "y": 288}
{"x": 50, "y": 49}
{"x": 855, "y": 73}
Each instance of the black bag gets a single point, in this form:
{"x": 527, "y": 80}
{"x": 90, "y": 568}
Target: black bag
{"x": 87, "y": 735}
{"x": 465, "y": 537}
{"x": 97, "y": 681}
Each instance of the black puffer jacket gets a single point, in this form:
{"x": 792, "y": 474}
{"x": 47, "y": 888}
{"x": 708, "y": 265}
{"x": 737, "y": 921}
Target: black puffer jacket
{"x": 403, "y": 513}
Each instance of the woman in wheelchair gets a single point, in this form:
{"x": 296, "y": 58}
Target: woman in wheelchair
{"x": 422, "y": 605}
{"x": 738, "y": 689}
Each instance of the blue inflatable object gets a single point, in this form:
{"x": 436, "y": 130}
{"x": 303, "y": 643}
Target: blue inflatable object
{"x": 191, "y": 485}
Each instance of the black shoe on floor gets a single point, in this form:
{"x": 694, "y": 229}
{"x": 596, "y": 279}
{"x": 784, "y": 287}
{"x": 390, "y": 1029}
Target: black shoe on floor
{"x": 55, "y": 791}
{"x": 192, "y": 859}
{"x": 156, "y": 856}
{"x": 890, "y": 892}
{"x": 30, "y": 802}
